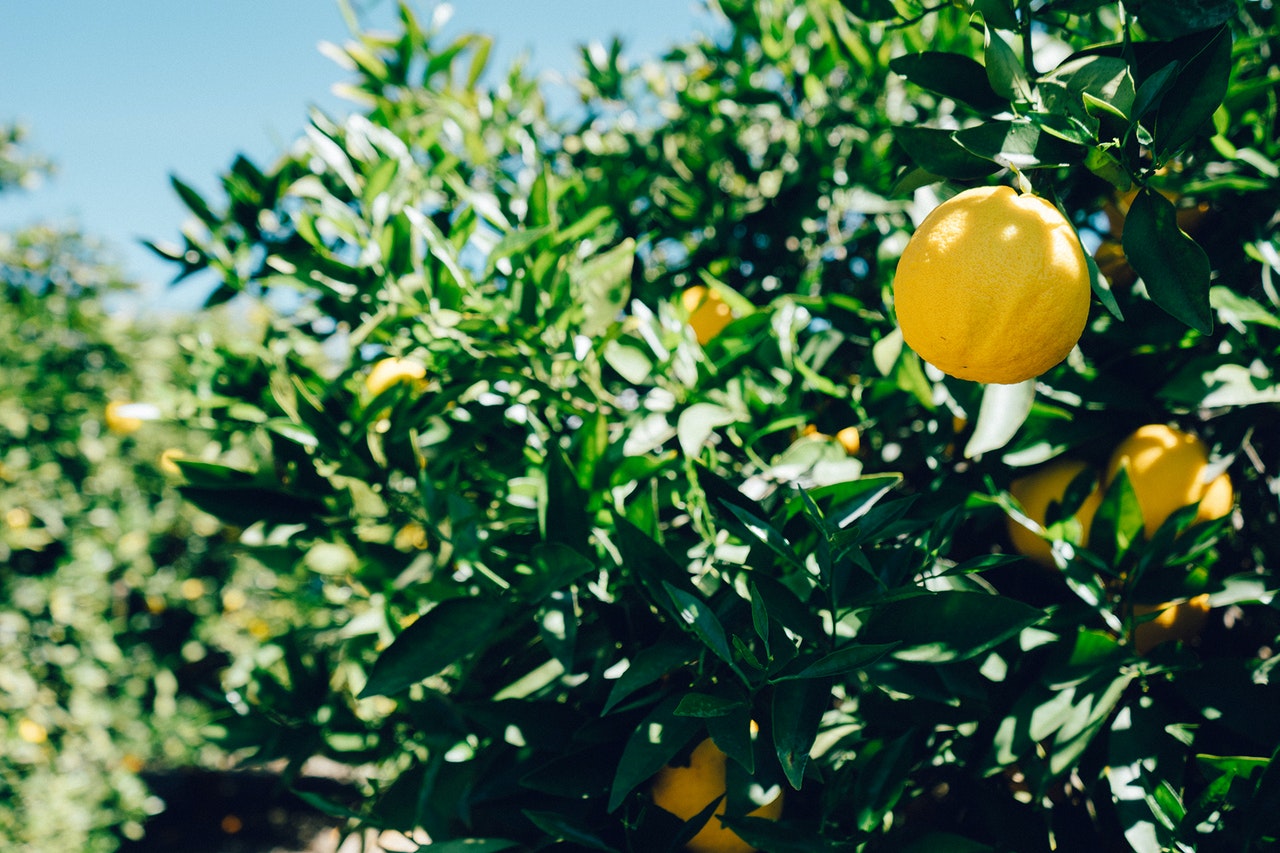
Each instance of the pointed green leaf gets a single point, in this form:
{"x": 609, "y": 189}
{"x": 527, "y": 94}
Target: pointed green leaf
{"x": 1003, "y": 411}
{"x": 660, "y": 735}
{"x": 1172, "y": 265}
{"x": 798, "y": 707}
{"x": 952, "y": 75}
{"x": 940, "y": 627}
{"x": 850, "y": 658}
{"x": 447, "y": 632}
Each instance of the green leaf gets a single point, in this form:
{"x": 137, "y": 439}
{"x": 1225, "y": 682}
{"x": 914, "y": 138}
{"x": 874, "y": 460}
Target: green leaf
{"x": 562, "y": 828}
{"x": 937, "y": 151}
{"x": 557, "y": 566}
{"x": 697, "y": 615}
{"x": 850, "y": 658}
{"x": 603, "y": 285}
{"x": 1003, "y": 411}
{"x": 941, "y": 627}
{"x": 946, "y": 842}
{"x": 651, "y": 565}
{"x": 649, "y": 665}
{"x": 697, "y": 422}
{"x": 243, "y": 506}
{"x": 1223, "y": 386}
{"x": 1172, "y": 265}
{"x": 1196, "y": 92}
{"x": 656, "y": 740}
{"x": 562, "y": 508}
{"x": 444, "y": 634}
{"x": 705, "y": 705}
{"x": 1169, "y": 19}
{"x": 1117, "y": 523}
{"x": 195, "y": 203}
{"x": 951, "y": 75}
{"x": 1018, "y": 143}
{"x": 798, "y": 707}
{"x": 1005, "y": 72}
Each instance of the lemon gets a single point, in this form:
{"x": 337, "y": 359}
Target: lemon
{"x": 707, "y": 310}
{"x": 1167, "y": 469}
{"x": 686, "y": 791}
{"x": 1036, "y": 492}
{"x": 120, "y": 419}
{"x": 850, "y": 439}
{"x": 1181, "y": 621}
{"x": 993, "y": 286}
{"x": 391, "y": 370}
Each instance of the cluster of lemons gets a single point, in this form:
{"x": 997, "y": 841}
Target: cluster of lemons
{"x": 1169, "y": 469}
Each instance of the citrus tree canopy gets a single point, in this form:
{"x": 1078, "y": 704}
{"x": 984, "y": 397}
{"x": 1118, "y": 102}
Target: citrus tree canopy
{"x": 537, "y": 425}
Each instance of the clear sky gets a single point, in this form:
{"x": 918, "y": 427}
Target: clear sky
{"x": 120, "y": 95}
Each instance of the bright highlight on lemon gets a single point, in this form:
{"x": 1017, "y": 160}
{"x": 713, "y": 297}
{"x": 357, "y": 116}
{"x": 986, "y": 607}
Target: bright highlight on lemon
{"x": 686, "y": 791}
{"x": 993, "y": 286}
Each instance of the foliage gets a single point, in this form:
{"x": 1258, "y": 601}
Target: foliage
{"x": 107, "y": 574}
{"x": 583, "y": 542}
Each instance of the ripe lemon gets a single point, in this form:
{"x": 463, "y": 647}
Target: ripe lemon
{"x": 686, "y": 791}
{"x": 1167, "y": 469}
{"x": 1179, "y": 621}
{"x": 1036, "y": 492}
{"x": 391, "y": 370}
{"x": 707, "y": 310}
{"x": 121, "y": 418}
{"x": 993, "y": 286}
{"x": 850, "y": 439}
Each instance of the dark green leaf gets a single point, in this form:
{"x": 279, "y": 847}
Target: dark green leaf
{"x": 1018, "y": 143}
{"x": 447, "y": 632}
{"x": 798, "y": 707}
{"x": 1005, "y": 72}
{"x": 649, "y": 665}
{"x": 473, "y": 845}
{"x": 1172, "y": 265}
{"x": 1169, "y": 19}
{"x": 248, "y": 505}
{"x": 562, "y": 828}
{"x": 697, "y": 615}
{"x": 562, "y": 514}
{"x": 940, "y": 627}
{"x": 937, "y": 151}
{"x": 706, "y": 705}
{"x": 951, "y": 75}
{"x": 842, "y": 661}
{"x": 651, "y": 746}
{"x": 1117, "y": 524}
{"x": 195, "y": 203}
{"x": 1195, "y": 94}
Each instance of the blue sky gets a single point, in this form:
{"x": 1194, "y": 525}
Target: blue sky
{"x": 120, "y": 95}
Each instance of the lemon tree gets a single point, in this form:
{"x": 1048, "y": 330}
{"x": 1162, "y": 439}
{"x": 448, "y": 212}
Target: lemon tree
{"x": 585, "y": 537}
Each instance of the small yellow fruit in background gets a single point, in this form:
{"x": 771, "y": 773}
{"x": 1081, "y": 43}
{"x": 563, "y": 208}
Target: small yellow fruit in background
{"x": 1035, "y": 492}
{"x": 391, "y": 370}
{"x": 1180, "y": 621}
{"x": 1166, "y": 467}
{"x": 686, "y": 791}
{"x": 121, "y": 417}
{"x": 707, "y": 310}
{"x": 850, "y": 439}
{"x": 169, "y": 458}
{"x": 993, "y": 286}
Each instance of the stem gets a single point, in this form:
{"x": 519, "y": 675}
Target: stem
{"x": 1024, "y": 24}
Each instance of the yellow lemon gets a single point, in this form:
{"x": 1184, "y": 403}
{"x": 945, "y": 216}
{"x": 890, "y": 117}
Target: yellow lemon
{"x": 993, "y": 286}
{"x": 850, "y": 439}
{"x": 391, "y": 370}
{"x": 1167, "y": 469}
{"x": 1036, "y": 492}
{"x": 1181, "y": 621}
{"x": 686, "y": 791}
{"x": 707, "y": 310}
{"x": 120, "y": 418}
